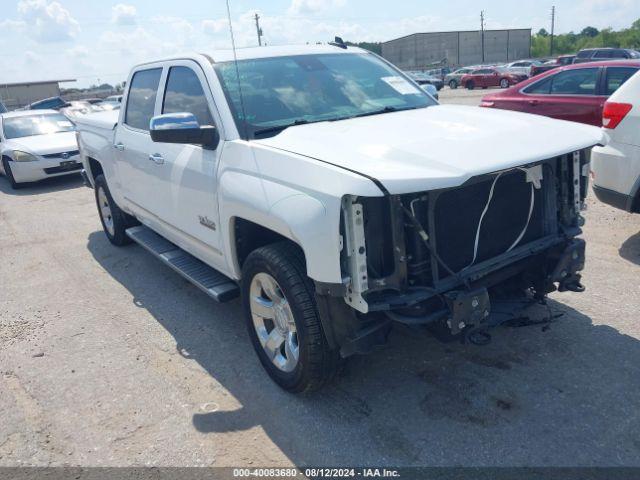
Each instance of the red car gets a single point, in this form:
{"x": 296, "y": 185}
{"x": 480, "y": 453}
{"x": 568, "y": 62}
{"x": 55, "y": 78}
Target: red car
{"x": 575, "y": 92}
{"x": 490, "y": 77}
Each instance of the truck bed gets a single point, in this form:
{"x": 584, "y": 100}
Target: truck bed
{"x": 103, "y": 120}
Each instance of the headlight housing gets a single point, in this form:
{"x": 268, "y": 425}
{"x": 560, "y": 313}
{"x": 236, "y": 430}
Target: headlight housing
{"x": 19, "y": 156}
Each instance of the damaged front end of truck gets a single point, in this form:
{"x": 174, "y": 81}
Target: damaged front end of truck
{"x": 443, "y": 258}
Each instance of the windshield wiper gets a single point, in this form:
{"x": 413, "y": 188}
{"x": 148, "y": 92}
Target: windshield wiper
{"x": 279, "y": 128}
{"x": 383, "y": 110}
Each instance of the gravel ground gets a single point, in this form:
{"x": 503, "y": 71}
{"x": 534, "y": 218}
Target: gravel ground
{"x": 108, "y": 358}
{"x": 462, "y": 96}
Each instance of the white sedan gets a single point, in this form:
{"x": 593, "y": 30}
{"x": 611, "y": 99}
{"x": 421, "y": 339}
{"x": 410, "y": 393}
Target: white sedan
{"x": 616, "y": 166}
{"x": 36, "y": 145}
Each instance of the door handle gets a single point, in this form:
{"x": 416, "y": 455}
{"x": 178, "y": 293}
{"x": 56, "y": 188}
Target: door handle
{"x": 533, "y": 102}
{"x": 119, "y": 146}
{"x": 157, "y": 158}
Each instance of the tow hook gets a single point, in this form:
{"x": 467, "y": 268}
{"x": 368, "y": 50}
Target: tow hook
{"x": 569, "y": 264}
{"x": 468, "y": 309}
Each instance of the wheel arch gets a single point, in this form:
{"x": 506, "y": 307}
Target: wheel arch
{"x": 247, "y": 236}
{"x": 299, "y": 219}
{"x": 94, "y": 168}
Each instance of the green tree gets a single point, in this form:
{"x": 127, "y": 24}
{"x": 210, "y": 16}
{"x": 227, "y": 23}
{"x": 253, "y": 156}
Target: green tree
{"x": 589, "y": 32}
{"x": 375, "y": 47}
{"x": 588, "y": 37}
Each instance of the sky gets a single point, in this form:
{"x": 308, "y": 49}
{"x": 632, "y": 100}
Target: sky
{"x": 98, "y": 41}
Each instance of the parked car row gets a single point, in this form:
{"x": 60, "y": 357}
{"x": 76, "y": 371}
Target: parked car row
{"x": 75, "y": 107}
{"x": 485, "y": 76}
{"x": 505, "y": 75}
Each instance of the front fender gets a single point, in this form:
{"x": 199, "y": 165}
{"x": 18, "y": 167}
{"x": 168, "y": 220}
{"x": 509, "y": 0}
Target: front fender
{"x": 315, "y": 227}
{"x": 309, "y": 222}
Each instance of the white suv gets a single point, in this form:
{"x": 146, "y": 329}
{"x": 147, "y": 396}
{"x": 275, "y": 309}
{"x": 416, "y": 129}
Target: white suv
{"x": 616, "y": 166}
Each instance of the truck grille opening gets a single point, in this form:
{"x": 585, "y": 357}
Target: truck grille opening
{"x": 457, "y": 213}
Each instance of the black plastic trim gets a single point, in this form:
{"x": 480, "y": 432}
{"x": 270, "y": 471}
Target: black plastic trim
{"x": 613, "y": 198}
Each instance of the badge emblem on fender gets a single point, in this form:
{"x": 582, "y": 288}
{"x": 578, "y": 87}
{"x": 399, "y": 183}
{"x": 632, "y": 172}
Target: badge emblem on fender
{"x": 207, "y": 222}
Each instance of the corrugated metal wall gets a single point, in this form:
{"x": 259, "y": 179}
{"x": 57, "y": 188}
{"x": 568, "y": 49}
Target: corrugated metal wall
{"x": 421, "y": 50}
{"x": 15, "y": 96}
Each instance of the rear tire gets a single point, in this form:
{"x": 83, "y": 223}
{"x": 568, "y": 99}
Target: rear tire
{"x": 7, "y": 173}
{"x": 114, "y": 221}
{"x": 471, "y": 85}
{"x": 283, "y": 321}
{"x": 453, "y": 84}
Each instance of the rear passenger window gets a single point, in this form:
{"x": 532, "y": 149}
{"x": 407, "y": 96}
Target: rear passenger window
{"x": 141, "y": 101}
{"x": 616, "y": 76}
{"x": 184, "y": 94}
{"x": 575, "y": 82}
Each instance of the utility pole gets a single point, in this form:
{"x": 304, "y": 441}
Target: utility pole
{"x": 553, "y": 24}
{"x": 482, "y": 32}
{"x": 258, "y": 30}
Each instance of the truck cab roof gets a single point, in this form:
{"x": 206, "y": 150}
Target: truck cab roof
{"x": 249, "y": 53}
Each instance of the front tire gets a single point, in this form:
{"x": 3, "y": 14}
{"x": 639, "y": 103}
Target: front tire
{"x": 7, "y": 173}
{"x": 453, "y": 84}
{"x": 114, "y": 221}
{"x": 283, "y": 321}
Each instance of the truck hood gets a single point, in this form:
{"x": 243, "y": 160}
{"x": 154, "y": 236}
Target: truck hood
{"x": 44, "y": 144}
{"x": 436, "y": 147}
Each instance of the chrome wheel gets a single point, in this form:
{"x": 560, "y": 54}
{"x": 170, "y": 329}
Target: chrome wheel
{"x": 105, "y": 211}
{"x": 504, "y": 83}
{"x": 273, "y": 322}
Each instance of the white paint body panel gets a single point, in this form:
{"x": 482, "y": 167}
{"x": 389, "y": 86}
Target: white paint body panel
{"x": 436, "y": 147}
{"x": 294, "y": 183}
{"x": 616, "y": 166}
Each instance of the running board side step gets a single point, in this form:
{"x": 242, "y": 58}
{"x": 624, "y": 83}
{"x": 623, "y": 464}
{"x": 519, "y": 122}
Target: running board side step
{"x": 209, "y": 280}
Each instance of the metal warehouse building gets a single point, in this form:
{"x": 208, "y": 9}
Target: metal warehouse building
{"x": 16, "y": 95}
{"x": 422, "y": 50}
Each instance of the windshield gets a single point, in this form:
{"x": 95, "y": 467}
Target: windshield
{"x": 27, "y": 126}
{"x": 282, "y": 91}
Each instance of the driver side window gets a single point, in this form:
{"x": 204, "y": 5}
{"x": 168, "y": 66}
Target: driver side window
{"x": 184, "y": 93}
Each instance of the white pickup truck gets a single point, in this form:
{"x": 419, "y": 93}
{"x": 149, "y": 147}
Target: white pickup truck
{"x": 336, "y": 197}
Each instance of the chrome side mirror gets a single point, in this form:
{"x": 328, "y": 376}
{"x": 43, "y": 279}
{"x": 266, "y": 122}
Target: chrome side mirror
{"x": 182, "y": 127}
